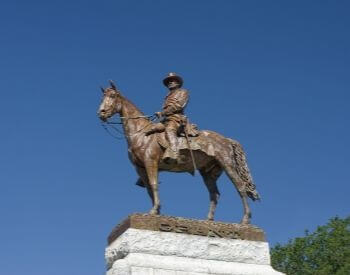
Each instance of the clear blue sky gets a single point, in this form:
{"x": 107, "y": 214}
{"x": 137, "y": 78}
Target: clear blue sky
{"x": 272, "y": 74}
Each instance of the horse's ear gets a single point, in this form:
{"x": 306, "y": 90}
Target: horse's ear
{"x": 103, "y": 90}
{"x": 113, "y": 85}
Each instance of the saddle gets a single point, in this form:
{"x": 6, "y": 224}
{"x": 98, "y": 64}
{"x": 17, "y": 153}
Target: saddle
{"x": 197, "y": 140}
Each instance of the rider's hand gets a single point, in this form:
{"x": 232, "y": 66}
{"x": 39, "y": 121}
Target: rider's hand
{"x": 158, "y": 114}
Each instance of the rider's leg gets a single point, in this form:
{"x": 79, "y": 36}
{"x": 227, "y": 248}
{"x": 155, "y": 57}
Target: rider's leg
{"x": 171, "y": 135}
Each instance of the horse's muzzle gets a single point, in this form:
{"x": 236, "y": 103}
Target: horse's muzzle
{"x": 102, "y": 115}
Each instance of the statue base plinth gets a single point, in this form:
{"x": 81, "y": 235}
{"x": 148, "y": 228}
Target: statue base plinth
{"x": 177, "y": 246}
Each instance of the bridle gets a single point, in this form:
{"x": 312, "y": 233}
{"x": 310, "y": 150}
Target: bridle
{"x": 111, "y": 124}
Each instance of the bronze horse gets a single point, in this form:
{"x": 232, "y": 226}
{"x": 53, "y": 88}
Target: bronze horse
{"x": 145, "y": 152}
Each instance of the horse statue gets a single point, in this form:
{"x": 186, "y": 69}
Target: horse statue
{"x": 210, "y": 153}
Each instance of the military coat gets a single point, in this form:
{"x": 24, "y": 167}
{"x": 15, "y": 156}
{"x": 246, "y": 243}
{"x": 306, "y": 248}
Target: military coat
{"x": 174, "y": 106}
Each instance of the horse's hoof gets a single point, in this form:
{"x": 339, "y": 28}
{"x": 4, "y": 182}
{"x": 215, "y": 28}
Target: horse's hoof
{"x": 245, "y": 221}
{"x": 210, "y": 218}
{"x": 154, "y": 212}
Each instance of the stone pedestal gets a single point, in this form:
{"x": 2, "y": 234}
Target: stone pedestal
{"x": 159, "y": 245}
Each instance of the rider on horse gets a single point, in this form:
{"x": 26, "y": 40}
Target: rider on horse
{"x": 173, "y": 114}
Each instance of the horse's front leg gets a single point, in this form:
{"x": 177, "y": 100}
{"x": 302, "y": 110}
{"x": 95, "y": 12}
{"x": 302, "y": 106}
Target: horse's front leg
{"x": 144, "y": 178}
{"x": 152, "y": 173}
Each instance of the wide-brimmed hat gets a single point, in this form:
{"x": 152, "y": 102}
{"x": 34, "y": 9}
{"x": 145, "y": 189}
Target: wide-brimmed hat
{"x": 171, "y": 77}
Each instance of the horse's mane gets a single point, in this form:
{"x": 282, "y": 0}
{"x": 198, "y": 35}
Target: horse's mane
{"x": 130, "y": 103}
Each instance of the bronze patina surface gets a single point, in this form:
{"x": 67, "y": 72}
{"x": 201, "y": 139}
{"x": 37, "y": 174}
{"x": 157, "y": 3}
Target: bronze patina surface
{"x": 175, "y": 145}
{"x": 187, "y": 226}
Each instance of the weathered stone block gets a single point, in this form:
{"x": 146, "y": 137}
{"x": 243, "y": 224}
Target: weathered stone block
{"x": 152, "y": 245}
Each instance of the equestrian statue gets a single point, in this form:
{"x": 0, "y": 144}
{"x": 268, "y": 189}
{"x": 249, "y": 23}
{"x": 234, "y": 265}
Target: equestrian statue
{"x": 176, "y": 145}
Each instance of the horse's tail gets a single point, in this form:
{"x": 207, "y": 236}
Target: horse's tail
{"x": 242, "y": 169}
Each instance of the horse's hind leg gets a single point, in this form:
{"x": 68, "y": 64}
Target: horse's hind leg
{"x": 210, "y": 177}
{"x": 237, "y": 181}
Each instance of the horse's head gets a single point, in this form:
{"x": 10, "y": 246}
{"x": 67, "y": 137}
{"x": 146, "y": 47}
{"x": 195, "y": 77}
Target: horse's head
{"x": 111, "y": 102}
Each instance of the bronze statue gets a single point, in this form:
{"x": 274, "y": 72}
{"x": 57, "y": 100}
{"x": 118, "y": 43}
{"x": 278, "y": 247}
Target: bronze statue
{"x": 208, "y": 152}
{"x": 173, "y": 113}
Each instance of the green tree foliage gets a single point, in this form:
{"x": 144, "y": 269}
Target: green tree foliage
{"x": 323, "y": 252}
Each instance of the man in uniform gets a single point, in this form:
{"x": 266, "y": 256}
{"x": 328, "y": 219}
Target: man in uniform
{"x": 173, "y": 113}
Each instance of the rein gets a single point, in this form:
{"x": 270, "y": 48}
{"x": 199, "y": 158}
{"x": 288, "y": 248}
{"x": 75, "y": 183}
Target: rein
{"x": 121, "y": 133}
{"x": 110, "y": 133}
{"x": 152, "y": 117}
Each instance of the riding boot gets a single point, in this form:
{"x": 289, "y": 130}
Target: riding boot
{"x": 172, "y": 153}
